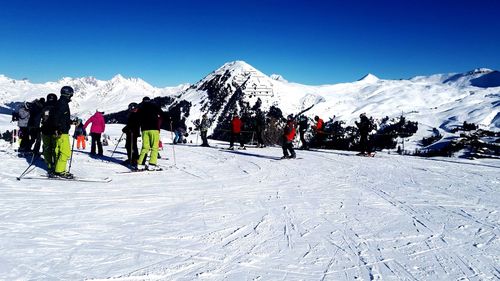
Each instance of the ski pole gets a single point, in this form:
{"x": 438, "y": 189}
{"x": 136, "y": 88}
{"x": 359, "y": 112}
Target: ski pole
{"x": 71, "y": 157}
{"x": 131, "y": 149}
{"x": 119, "y": 140}
{"x": 33, "y": 157}
{"x": 173, "y": 146}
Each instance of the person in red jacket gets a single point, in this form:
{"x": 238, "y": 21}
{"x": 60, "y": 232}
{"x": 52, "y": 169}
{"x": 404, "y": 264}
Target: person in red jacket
{"x": 97, "y": 128}
{"x": 319, "y": 130}
{"x": 236, "y": 126}
{"x": 288, "y": 136}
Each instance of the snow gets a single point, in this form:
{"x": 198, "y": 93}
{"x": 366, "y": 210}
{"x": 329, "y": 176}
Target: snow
{"x": 369, "y": 78}
{"x": 215, "y": 214}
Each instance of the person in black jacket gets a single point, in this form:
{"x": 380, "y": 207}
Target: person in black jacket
{"x": 150, "y": 116}
{"x": 132, "y": 131}
{"x": 34, "y": 125}
{"x": 303, "y": 127}
{"x": 48, "y": 132}
{"x": 364, "y": 126}
{"x": 260, "y": 126}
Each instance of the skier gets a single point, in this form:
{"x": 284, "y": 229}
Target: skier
{"x": 303, "y": 127}
{"x": 61, "y": 120}
{"x": 23, "y": 115}
{"x": 318, "y": 129}
{"x": 80, "y": 134}
{"x": 288, "y": 136}
{"x": 132, "y": 131}
{"x": 260, "y": 126}
{"x": 180, "y": 130}
{"x": 236, "y": 125}
{"x": 150, "y": 120}
{"x": 48, "y": 133}
{"x": 97, "y": 128}
{"x": 204, "y": 125}
{"x": 34, "y": 125}
{"x": 364, "y": 126}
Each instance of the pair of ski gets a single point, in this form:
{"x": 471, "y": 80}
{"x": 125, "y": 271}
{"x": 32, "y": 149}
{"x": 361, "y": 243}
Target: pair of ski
{"x": 76, "y": 178}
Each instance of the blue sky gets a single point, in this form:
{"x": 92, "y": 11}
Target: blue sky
{"x": 310, "y": 42}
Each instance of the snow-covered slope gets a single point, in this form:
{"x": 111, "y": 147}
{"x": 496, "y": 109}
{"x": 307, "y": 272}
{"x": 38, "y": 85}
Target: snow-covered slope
{"x": 215, "y": 214}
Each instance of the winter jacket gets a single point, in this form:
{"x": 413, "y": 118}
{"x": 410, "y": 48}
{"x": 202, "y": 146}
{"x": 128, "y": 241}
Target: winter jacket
{"x": 61, "y": 119}
{"x": 48, "y": 124}
{"x": 363, "y": 125}
{"x": 303, "y": 124}
{"x": 260, "y": 122}
{"x": 150, "y": 116}
{"x": 205, "y": 124}
{"x": 289, "y": 131}
{"x": 236, "y": 125}
{"x": 133, "y": 124}
{"x": 24, "y": 116}
{"x": 79, "y": 131}
{"x": 98, "y": 123}
{"x": 35, "y": 114}
{"x": 319, "y": 125}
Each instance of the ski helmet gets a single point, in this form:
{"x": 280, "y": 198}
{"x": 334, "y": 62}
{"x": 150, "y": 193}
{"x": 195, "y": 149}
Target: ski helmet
{"x": 146, "y": 99}
{"x": 132, "y": 106}
{"x": 316, "y": 118}
{"x": 51, "y": 97}
{"x": 289, "y": 117}
{"x": 67, "y": 91}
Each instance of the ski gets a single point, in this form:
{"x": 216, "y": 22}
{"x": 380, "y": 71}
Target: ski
{"x": 81, "y": 179}
{"x": 281, "y": 159}
{"x": 141, "y": 171}
{"x": 372, "y": 154}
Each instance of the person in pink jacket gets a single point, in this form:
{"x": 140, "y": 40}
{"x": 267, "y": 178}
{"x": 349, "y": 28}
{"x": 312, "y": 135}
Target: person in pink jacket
{"x": 97, "y": 128}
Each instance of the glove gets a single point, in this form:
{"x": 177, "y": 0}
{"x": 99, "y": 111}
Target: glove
{"x": 86, "y": 138}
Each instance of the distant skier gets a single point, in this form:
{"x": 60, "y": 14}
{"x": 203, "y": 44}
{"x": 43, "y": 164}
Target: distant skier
{"x": 48, "y": 132}
{"x": 96, "y": 130}
{"x": 319, "y": 131}
{"x": 303, "y": 127}
{"x": 204, "y": 125}
{"x": 364, "y": 126}
{"x": 132, "y": 131}
{"x": 260, "y": 126}
{"x": 236, "y": 125}
{"x": 35, "y": 139}
{"x": 80, "y": 135}
{"x": 180, "y": 130}
{"x": 150, "y": 116}
{"x": 23, "y": 116}
{"x": 61, "y": 120}
{"x": 288, "y": 136}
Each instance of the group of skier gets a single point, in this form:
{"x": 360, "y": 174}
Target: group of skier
{"x": 48, "y": 121}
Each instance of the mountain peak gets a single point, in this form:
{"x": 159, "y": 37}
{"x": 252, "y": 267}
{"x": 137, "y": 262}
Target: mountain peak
{"x": 278, "y": 77}
{"x": 238, "y": 66}
{"x": 118, "y": 77}
{"x": 369, "y": 78}
{"x": 481, "y": 70}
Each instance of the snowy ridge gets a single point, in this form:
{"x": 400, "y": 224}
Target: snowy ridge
{"x": 90, "y": 93}
{"x": 437, "y": 101}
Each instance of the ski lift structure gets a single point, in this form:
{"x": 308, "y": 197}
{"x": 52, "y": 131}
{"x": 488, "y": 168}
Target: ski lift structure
{"x": 254, "y": 84}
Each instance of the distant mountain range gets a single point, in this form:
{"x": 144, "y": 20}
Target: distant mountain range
{"x": 437, "y": 101}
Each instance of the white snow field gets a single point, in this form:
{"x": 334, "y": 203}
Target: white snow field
{"x": 215, "y": 214}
